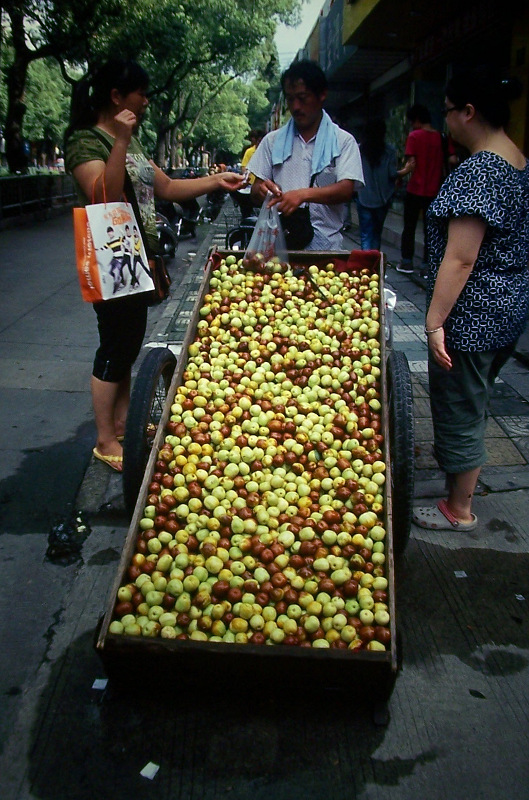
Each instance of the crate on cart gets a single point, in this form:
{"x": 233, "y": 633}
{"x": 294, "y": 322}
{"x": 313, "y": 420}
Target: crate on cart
{"x": 127, "y": 658}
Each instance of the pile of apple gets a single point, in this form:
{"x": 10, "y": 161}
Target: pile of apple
{"x": 264, "y": 518}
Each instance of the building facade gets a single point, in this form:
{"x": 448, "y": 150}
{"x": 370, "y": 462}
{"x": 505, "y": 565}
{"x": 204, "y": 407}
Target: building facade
{"x": 380, "y": 56}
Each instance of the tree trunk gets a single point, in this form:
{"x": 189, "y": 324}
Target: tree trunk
{"x": 174, "y": 148}
{"x": 159, "y": 157}
{"x": 16, "y": 155}
{"x": 162, "y": 132}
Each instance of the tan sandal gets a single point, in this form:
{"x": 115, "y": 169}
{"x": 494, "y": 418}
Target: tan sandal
{"x": 114, "y": 462}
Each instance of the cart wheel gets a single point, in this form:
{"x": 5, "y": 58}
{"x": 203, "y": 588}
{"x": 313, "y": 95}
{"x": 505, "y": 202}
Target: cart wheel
{"x": 401, "y": 445}
{"x": 147, "y": 402}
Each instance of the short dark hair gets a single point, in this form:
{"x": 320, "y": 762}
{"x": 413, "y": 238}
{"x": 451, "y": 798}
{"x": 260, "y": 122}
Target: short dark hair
{"x": 307, "y": 71}
{"x": 374, "y": 140}
{"x": 418, "y": 112}
{"x": 487, "y": 90}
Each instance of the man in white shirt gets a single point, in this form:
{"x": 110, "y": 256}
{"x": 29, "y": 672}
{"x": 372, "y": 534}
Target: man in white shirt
{"x": 310, "y": 160}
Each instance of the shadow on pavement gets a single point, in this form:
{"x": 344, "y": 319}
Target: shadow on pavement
{"x": 45, "y": 484}
{"x": 235, "y": 741}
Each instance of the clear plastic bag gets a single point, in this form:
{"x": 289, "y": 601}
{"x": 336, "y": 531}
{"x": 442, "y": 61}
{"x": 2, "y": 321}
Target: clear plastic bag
{"x": 267, "y": 248}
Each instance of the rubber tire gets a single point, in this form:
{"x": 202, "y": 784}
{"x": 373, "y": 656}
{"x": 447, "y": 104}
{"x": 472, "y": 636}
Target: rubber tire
{"x": 238, "y": 237}
{"x": 147, "y": 401}
{"x": 401, "y": 446}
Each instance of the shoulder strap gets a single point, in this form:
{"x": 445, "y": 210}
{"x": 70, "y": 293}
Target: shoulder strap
{"x": 130, "y": 194}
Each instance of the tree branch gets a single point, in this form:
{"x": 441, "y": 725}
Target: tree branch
{"x": 207, "y": 102}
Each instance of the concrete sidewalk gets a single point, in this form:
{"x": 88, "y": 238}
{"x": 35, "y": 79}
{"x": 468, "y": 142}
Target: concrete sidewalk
{"x": 459, "y": 724}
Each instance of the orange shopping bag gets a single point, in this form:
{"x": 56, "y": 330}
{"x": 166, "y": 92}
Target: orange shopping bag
{"x": 111, "y": 257}
{"x": 87, "y": 269}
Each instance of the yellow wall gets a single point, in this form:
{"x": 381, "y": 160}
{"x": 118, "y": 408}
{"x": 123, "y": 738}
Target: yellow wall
{"x": 313, "y": 44}
{"x": 354, "y": 15}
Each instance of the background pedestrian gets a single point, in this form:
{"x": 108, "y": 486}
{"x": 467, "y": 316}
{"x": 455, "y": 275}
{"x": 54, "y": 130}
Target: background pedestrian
{"x": 425, "y": 164}
{"x": 379, "y": 165}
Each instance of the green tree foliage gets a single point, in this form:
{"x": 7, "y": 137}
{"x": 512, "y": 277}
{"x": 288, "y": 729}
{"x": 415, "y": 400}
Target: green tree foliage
{"x": 211, "y": 40}
{"x": 222, "y": 123}
{"x": 67, "y": 30}
{"x": 176, "y": 40}
{"x": 47, "y": 100}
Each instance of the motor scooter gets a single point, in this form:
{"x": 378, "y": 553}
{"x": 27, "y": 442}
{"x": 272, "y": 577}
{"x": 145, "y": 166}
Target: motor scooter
{"x": 214, "y": 202}
{"x": 183, "y": 217}
{"x": 190, "y": 213}
{"x": 167, "y": 235}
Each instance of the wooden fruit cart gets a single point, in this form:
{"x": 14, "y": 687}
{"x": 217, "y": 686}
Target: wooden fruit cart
{"x": 180, "y": 662}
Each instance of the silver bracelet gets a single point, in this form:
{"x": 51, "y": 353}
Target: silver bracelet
{"x": 427, "y": 332}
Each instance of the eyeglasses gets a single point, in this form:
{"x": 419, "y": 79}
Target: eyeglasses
{"x": 446, "y": 111}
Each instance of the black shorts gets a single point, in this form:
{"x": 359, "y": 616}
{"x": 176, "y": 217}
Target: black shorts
{"x": 122, "y": 324}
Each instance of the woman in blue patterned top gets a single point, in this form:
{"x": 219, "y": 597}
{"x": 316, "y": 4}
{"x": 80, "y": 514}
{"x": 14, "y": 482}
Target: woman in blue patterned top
{"x": 478, "y": 284}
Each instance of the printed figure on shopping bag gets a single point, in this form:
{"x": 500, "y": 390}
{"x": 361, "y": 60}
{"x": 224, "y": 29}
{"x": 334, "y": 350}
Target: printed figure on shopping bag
{"x": 114, "y": 244}
{"x": 139, "y": 258}
{"x": 126, "y": 261}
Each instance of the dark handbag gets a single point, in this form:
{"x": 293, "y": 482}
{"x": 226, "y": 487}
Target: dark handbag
{"x": 161, "y": 279}
{"x": 297, "y": 228}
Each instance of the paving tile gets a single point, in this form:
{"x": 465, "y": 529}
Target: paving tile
{"x": 522, "y": 444}
{"x": 419, "y": 366}
{"x": 419, "y": 389}
{"x": 493, "y": 429}
{"x": 413, "y": 351}
{"x": 423, "y": 430}
{"x": 515, "y": 426}
{"x": 505, "y": 479}
{"x": 513, "y": 404}
{"x": 504, "y": 390}
{"x": 424, "y": 457}
{"x": 421, "y": 407}
{"x": 404, "y": 306}
{"x": 503, "y": 452}
{"x": 416, "y": 318}
{"x": 403, "y": 334}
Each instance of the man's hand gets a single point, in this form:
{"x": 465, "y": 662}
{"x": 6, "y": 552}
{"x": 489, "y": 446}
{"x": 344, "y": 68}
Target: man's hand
{"x": 289, "y": 201}
{"x": 262, "y": 187}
